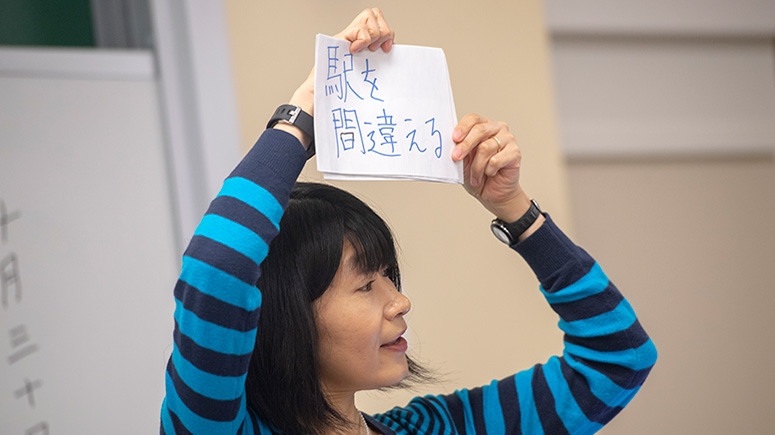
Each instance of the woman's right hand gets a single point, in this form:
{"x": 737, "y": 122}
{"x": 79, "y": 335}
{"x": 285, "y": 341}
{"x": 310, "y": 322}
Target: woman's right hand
{"x": 368, "y": 30}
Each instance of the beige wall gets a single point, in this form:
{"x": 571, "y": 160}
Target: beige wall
{"x": 693, "y": 242}
{"x": 476, "y": 316}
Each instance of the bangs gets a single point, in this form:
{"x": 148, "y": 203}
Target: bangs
{"x": 323, "y": 218}
{"x": 373, "y": 247}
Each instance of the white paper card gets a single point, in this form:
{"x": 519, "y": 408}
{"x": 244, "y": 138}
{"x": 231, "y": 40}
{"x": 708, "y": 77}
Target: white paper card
{"x": 384, "y": 115}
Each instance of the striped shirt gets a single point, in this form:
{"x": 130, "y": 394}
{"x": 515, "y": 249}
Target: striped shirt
{"x": 606, "y": 357}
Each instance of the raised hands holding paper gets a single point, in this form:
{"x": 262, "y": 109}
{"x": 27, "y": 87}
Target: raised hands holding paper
{"x": 368, "y": 30}
{"x": 289, "y": 301}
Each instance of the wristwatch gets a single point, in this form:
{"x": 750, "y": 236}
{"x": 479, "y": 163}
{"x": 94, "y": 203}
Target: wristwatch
{"x": 295, "y": 116}
{"x": 509, "y": 233}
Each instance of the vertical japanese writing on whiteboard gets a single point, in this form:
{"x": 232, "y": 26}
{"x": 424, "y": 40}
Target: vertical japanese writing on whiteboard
{"x": 20, "y": 342}
{"x": 385, "y": 133}
{"x": 10, "y": 280}
{"x": 21, "y": 345}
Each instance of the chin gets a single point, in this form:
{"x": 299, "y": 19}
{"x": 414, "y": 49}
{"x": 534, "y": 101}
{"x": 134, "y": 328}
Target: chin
{"x": 391, "y": 373}
{"x": 404, "y": 373}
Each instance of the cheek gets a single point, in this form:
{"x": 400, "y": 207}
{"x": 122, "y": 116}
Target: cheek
{"x": 348, "y": 337}
{"x": 351, "y": 332}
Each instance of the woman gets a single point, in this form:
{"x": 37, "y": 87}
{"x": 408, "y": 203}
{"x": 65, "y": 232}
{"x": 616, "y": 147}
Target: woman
{"x": 320, "y": 268}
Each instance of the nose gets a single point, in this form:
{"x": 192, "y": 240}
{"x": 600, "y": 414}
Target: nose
{"x": 399, "y": 305}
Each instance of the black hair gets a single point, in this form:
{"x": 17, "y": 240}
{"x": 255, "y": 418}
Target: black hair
{"x": 283, "y": 384}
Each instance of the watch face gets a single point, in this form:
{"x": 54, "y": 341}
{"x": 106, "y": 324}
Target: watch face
{"x": 500, "y": 233}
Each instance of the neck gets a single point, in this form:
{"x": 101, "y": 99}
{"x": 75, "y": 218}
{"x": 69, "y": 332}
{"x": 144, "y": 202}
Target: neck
{"x": 344, "y": 404}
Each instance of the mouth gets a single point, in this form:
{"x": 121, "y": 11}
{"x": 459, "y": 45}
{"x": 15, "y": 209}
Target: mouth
{"x": 398, "y": 345}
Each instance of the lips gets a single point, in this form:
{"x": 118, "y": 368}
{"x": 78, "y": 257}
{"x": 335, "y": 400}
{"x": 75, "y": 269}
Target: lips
{"x": 396, "y": 338}
{"x": 398, "y": 345}
{"x": 393, "y": 342}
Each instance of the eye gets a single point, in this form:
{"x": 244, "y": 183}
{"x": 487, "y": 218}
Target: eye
{"x": 367, "y": 287}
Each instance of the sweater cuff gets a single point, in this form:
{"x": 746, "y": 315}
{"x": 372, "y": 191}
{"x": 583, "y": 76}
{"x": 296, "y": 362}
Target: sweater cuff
{"x": 548, "y": 250}
{"x": 279, "y": 151}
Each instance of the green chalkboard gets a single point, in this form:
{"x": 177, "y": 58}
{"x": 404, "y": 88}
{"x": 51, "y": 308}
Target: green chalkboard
{"x": 57, "y": 23}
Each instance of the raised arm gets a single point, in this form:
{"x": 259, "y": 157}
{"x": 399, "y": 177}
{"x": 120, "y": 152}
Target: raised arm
{"x": 217, "y": 302}
{"x": 607, "y": 354}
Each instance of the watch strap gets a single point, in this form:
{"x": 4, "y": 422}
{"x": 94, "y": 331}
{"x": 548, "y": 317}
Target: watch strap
{"x": 295, "y": 116}
{"x": 515, "y": 229}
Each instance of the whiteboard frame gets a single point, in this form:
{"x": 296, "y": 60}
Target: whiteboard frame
{"x": 77, "y": 63}
{"x": 197, "y": 90}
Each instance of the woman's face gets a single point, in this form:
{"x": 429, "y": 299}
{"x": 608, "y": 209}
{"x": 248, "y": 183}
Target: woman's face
{"x": 360, "y": 319}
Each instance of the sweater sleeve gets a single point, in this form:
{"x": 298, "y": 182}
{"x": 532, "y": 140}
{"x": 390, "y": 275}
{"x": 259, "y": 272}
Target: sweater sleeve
{"x": 607, "y": 356}
{"x": 217, "y": 303}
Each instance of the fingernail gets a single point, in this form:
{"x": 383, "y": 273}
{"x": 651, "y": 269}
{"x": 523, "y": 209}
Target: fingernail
{"x": 456, "y": 153}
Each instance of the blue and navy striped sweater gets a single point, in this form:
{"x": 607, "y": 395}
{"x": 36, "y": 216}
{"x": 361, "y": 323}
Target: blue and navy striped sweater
{"x": 607, "y": 354}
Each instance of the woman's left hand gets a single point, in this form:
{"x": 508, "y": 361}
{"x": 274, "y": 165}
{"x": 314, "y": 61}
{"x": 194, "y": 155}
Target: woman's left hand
{"x": 491, "y": 165}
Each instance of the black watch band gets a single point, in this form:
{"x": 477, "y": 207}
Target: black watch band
{"x": 509, "y": 233}
{"x": 301, "y": 119}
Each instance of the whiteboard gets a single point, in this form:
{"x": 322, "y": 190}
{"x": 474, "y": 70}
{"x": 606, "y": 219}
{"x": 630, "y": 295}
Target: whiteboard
{"x": 88, "y": 220}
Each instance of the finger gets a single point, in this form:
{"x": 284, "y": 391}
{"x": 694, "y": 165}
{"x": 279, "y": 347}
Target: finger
{"x": 386, "y": 34}
{"x": 508, "y": 158}
{"x": 472, "y": 131}
{"x": 465, "y": 125}
{"x": 485, "y": 151}
{"x": 501, "y": 145}
{"x": 372, "y": 27}
{"x": 361, "y": 31}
